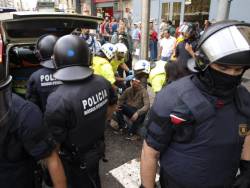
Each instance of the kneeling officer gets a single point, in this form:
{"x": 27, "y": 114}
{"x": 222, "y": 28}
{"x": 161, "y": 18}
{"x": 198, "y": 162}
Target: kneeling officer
{"x": 76, "y": 112}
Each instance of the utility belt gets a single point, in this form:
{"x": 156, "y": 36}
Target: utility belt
{"x": 85, "y": 159}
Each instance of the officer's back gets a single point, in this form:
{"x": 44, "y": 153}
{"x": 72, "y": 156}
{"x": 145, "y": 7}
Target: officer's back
{"x": 84, "y": 109}
{"x": 76, "y": 112}
{"x": 41, "y": 83}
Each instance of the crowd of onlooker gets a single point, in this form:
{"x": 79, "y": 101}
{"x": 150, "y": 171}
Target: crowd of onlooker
{"x": 162, "y": 45}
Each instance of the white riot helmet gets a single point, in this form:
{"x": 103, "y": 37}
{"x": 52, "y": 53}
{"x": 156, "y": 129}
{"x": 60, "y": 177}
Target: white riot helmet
{"x": 142, "y": 66}
{"x": 109, "y": 50}
{"x": 121, "y": 48}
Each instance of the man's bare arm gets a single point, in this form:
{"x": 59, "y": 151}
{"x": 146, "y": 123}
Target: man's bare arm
{"x": 149, "y": 159}
{"x": 56, "y": 170}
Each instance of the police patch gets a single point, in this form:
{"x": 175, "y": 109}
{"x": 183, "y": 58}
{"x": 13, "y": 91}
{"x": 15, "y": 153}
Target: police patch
{"x": 243, "y": 130}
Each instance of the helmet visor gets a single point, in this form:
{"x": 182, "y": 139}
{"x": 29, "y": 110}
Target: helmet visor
{"x": 228, "y": 41}
{"x": 5, "y": 102}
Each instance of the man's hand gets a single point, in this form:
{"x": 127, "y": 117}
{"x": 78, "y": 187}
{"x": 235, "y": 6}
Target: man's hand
{"x": 134, "y": 117}
{"x": 118, "y": 108}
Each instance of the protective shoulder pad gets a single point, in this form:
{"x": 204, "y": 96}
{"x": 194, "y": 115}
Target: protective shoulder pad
{"x": 197, "y": 103}
{"x": 242, "y": 99}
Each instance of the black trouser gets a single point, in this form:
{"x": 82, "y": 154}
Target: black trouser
{"x": 166, "y": 181}
{"x": 81, "y": 178}
{"x": 129, "y": 112}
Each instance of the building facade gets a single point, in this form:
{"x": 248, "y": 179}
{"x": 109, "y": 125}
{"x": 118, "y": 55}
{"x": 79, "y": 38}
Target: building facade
{"x": 190, "y": 10}
{"x": 67, "y": 6}
{"x": 112, "y": 8}
{"x": 239, "y": 10}
{"x": 7, "y": 3}
{"x": 101, "y": 8}
{"x": 177, "y": 11}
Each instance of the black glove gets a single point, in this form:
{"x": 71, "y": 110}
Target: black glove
{"x": 243, "y": 180}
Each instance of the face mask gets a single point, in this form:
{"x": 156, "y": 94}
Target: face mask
{"x": 225, "y": 81}
{"x": 219, "y": 83}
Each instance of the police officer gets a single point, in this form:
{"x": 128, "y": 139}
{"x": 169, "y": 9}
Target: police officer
{"x": 199, "y": 125}
{"x": 185, "y": 49}
{"x": 119, "y": 62}
{"x": 24, "y": 140}
{"x": 120, "y": 58}
{"x": 76, "y": 112}
{"x": 157, "y": 76}
{"x": 101, "y": 62}
{"x": 41, "y": 83}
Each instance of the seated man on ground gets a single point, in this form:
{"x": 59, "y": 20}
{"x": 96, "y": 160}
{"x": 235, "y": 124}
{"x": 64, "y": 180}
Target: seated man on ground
{"x": 134, "y": 103}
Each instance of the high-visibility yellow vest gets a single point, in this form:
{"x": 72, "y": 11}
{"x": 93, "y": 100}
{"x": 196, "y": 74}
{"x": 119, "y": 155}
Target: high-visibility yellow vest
{"x": 157, "y": 76}
{"x": 115, "y": 64}
{"x": 179, "y": 39}
{"x": 102, "y": 67}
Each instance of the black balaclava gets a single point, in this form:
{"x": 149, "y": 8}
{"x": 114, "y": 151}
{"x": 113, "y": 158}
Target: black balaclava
{"x": 219, "y": 84}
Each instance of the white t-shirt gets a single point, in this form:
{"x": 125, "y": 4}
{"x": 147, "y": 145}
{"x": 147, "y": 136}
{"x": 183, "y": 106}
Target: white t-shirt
{"x": 167, "y": 45}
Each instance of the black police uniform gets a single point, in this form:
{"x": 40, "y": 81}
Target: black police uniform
{"x": 40, "y": 84}
{"x": 24, "y": 140}
{"x": 197, "y": 134}
{"x": 76, "y": 114}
